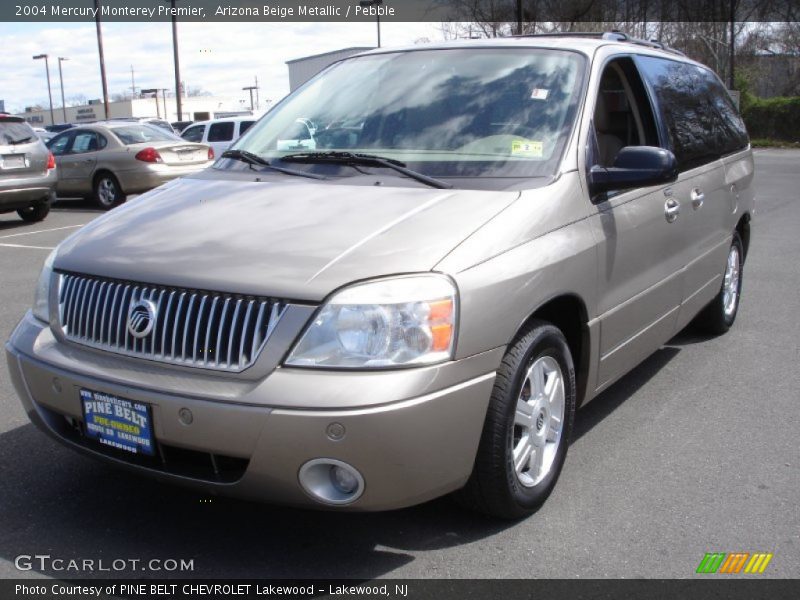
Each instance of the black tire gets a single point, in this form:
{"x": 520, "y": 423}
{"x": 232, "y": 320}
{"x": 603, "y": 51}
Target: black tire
{"x": 715, "y": 318}
{"x": 495, "y": 488}
{"x": 107, "y": 191}
{"x": 34, "y": 213}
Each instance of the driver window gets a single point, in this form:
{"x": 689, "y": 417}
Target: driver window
{"x": 622, "y": 114}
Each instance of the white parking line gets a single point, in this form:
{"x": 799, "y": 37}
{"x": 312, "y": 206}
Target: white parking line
{"x": 23, "y": 246}
{"x": 3, "y": 237}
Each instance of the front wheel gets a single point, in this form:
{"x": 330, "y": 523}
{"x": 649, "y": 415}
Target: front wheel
{"x": 107, "y": 192}
{"x": 34, "y": 213}
{"x": 527, "y": 428}
{"x": 718, "y": 317}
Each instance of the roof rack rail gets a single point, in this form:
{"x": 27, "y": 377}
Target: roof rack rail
{"x": 614, "y": 36}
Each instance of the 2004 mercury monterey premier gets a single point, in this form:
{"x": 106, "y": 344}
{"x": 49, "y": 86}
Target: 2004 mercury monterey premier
{"x": 404, "y": 279}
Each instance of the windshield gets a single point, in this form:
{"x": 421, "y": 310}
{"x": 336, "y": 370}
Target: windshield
{"x": 446, "y": 113}
{"x": 138, "y": 134}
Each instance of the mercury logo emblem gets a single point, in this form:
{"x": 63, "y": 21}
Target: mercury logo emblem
{"x": 141, "y": 318}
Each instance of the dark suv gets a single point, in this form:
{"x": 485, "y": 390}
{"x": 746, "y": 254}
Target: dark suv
{"x": 27, "y": 170}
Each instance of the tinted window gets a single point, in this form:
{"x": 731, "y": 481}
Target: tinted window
{"x": 700, "y": 123}
{"x": 194, "y": 134}
{"x": 221, "y": 132}
{"x": 244, "y": 126}
{"x": 729, "y": 126}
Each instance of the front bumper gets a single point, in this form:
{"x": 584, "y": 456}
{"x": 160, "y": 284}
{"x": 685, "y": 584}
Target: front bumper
{"x": 418, "y": 446}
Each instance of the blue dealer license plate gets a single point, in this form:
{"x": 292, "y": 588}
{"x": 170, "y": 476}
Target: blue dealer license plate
{"x": 117, "y": 422}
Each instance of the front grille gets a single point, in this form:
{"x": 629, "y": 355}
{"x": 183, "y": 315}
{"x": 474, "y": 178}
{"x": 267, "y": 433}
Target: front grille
{"x": 210, "y": 330}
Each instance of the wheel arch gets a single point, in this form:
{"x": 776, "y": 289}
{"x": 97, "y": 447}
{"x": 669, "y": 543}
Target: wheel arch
{"x": 568, "y": 312}
{"x": 105, "y": 171}
{"x": 743, "y": 228}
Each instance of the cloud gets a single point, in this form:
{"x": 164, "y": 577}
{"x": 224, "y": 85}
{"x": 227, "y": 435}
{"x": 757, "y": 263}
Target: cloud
{"x": 218, "y": 57}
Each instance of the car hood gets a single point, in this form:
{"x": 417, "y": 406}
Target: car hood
{"x": 288, "y": 239}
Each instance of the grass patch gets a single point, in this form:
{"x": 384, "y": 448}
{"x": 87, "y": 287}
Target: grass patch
{"x": 772, "y": 143}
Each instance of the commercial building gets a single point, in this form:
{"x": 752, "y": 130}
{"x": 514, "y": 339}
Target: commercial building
{"x": 197, "y": 108}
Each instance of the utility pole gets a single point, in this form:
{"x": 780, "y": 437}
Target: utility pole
{"x": 102, "y": 58}
{"x": 61, "y": 79}
{"x": 176, "y": 61}
{"x": 377, "y": 4}
{"x": 133, "y": 84}
{"x": 250, "y": 89}
{"x": 49, "y": 91}
{"x": 519, "y": 17}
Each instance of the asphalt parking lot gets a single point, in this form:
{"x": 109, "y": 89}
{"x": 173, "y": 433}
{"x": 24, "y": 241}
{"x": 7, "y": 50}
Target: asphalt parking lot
{"x": 694, "y": 451}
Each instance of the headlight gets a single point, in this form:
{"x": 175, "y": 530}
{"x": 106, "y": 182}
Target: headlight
{"x": 41, "y": 301}
{"x": 389, "y": 323}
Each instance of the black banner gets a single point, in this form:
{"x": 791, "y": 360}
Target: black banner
{"x": 529, "y": 11}
{"x": 710, "y": 588}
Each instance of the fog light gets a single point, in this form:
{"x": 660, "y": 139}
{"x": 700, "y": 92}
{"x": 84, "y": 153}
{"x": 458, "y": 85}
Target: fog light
{"x": 343, "y": 480}
{"x": 331, "y": 481}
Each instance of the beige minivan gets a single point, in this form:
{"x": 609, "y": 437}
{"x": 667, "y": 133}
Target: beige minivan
{"x": 485, "y": 236}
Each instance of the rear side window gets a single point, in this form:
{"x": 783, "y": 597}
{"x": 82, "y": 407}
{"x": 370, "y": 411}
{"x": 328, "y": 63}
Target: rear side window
{"x": 87, "y": 141}
{"x": 15, "y": 132}
{"x": 700, "y": 121}
{"x": 194, "y": 134}
{"x": 221, "y": 132}
{"x": 139, "y": 134}
{"x": 729, "y": 125}
{"x": 244, "y": 126}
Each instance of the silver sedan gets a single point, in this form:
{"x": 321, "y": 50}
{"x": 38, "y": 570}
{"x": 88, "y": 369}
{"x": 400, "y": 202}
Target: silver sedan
{"x": 106, "y": 161}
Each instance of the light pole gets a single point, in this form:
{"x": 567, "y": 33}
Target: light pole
{"x": 175, "y": 59}
{"x": 102, "y": 59}
{"x": 250, "y": 89}
{"x": 376, "y": 4}
{"x": 49, "y": 92}
{"x": 61, "y": 79}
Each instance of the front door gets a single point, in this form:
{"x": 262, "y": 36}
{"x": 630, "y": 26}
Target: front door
{"x": 641, "y": 233}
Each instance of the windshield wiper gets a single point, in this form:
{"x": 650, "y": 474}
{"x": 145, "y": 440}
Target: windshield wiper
{"x": 20, "y": 141}
{"x": 254, "y": 159}
{"x": 369, "y": 160}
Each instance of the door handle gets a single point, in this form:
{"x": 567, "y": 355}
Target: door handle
{"x": 698, "y": 197}
{"x": 672, "y": 209}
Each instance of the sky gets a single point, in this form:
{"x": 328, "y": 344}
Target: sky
{"x": 220, "y": 58}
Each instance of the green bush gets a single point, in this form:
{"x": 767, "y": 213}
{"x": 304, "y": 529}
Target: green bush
{"x": 772, "y": 118}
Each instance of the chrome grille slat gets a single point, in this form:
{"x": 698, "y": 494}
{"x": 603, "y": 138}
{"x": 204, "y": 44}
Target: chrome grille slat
{"x": 220, "y": 329}
{"x": 213, "y": 330}
{"x": 245, "y": 330}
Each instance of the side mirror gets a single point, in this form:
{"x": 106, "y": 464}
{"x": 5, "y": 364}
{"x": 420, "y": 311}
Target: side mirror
{"x": 635, "y": 166}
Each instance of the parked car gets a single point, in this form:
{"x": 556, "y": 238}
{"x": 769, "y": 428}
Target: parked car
{"x": 218, "y": 133}
{"x": 156, "y": 122}
{"x": 27, "y": 170}
{"x": 109, "y": 160}
{"x": 59, "y": 127}
{"x": 43, "y": 134}
{"x": 179, "y": 126}
{"x": 416, "y": 307}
